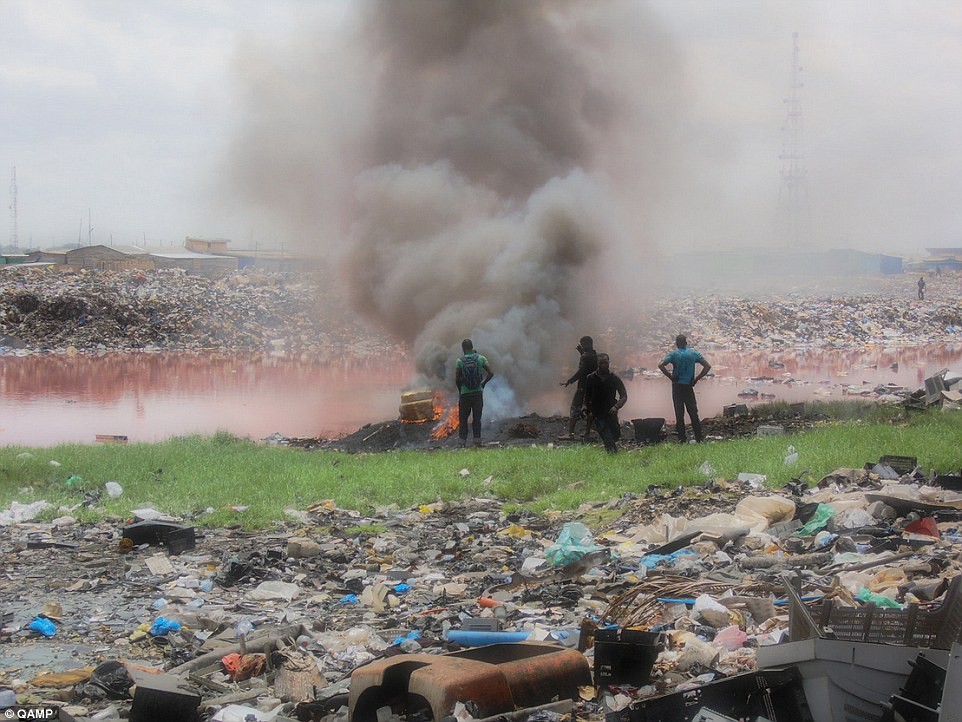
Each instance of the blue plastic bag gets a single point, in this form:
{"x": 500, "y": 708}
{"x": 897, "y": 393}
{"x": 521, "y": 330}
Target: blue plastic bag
{"x": 43, "y": 625}
{"x": 162, "y": 626}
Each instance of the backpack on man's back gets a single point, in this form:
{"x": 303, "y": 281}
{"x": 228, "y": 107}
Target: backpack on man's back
{"x": 471, "y": 371}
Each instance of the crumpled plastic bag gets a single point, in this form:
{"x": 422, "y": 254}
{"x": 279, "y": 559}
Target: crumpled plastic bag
{"x": 823, "y": 513}
{"x": 880, "y": 600}
{"x": 113, "y": 678}
{"x": 711, "y": 611}
{"x": 241, "y": 667}
{"x": 275, "y": 590}
{"x": 697, "y": 652}
{"x": 925, "y": 526}
{"x": 162, "y": 626}
{"x": 244, "y": 713}
{"x": 44, "y": 626}
{"x": 761, "y": 512}
{"x": 730, "y": 638}
{"x": 573, "y": 542}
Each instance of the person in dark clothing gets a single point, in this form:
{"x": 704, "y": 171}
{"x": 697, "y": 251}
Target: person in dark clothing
{"x": 587, "y": 363}
{"x": 683, "y": 380}
{"x": 921, "y": 285}
{"x": 471, "y": 374}
{"x": 604, "y": 394}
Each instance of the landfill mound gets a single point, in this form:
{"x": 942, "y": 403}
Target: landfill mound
{"x": 45, "y": 310}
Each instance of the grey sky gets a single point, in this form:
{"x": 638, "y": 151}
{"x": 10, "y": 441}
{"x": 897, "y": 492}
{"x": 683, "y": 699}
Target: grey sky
{"x": 129, "y": 110}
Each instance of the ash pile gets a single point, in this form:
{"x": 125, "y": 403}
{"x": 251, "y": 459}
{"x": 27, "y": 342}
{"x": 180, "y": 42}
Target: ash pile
{"x": 720, "y": 602}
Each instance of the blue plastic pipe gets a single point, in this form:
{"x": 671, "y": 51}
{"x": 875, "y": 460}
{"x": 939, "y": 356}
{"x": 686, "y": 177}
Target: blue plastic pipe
{"x": 467, "y": 638}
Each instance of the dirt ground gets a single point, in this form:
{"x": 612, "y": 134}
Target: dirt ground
{"x": 396, "y": 435}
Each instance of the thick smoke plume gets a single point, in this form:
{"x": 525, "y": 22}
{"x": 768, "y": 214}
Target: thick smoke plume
{"x": 468, "y": 172}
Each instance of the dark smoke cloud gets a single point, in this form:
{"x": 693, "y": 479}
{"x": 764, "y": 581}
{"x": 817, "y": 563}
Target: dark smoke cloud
{"x": 472, "y": 178}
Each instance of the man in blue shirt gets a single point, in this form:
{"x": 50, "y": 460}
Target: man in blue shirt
{"x": 683, "y": 380}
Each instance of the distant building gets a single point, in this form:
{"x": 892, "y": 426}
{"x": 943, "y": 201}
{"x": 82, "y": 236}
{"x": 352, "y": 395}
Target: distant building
{"x": 262, "y": 259}
{"x": 207, "y": 245}
{"x": 198, "y": 264}
{"x": 943, "y": 258}
{"x": 54, "y": 257}
{"x": 755, "y": 263}
{"x": 108, "y": 258}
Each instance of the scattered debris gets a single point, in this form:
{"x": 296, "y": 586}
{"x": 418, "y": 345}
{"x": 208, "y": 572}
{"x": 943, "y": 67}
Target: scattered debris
{"x": 712, "y": 601}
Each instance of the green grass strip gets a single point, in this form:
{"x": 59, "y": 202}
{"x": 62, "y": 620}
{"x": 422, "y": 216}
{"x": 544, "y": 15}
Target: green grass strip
{"x": 222, "y": 480}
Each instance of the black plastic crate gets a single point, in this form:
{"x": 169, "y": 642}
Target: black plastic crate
{"x": 625, "y": 656}
{"x": 901, "y": 464}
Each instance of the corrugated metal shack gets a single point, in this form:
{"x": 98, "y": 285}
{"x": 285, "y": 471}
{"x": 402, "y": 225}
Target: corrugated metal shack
{"x": 109, "y": 258}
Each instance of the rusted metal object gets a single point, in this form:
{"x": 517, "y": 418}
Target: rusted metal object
{"x": 492, "y": 680}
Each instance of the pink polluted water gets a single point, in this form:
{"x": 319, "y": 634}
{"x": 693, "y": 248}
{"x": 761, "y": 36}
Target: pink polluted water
{"x": 51, "y": 399}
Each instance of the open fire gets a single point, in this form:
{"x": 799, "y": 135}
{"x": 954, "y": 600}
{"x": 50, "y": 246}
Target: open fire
{"x": 419, "y": 407}
{"x": 446, "y": 417}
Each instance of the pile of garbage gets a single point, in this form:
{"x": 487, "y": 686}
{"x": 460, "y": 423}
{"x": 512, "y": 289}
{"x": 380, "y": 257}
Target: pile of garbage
{"x": 727, "y": 599}
{"x": 881, "y": 310}
{"x": 42, "y": 309}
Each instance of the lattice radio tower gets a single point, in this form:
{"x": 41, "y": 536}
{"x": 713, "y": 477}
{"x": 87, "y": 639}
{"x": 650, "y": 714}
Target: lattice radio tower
{"x": 13, "y": 210}
{"x": 794, "y": 216}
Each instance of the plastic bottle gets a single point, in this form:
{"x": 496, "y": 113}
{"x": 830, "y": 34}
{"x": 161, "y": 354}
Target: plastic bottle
{"x": 792, "y": 456}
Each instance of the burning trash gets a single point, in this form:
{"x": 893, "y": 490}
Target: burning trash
{"x": 447, "y": 418}
{"x": 422, "y": 406}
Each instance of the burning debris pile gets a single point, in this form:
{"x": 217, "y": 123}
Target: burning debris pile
{"x": 531, "y": 429}
{"x": 713, "y": 588}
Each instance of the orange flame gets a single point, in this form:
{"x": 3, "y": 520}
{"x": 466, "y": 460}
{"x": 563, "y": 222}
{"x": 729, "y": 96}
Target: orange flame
{"x": 446, "y": 418}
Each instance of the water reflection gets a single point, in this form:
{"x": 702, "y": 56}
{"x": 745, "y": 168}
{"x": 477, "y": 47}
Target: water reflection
{"x": 791, "y": 375}
{"x": 49, "y": 399}
{"x": 46, "y": 400}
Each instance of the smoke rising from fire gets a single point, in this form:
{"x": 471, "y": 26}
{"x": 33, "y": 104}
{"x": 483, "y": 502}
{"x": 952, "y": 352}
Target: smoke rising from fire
{"x": 465, "y": 177}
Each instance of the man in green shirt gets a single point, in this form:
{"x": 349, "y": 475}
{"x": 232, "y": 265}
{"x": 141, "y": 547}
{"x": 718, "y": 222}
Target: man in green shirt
{"x": 471, "y": 374}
